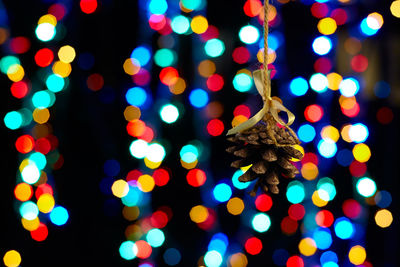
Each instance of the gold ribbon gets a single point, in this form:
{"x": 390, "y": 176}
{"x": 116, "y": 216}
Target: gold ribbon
{"x": 270, "y": 105}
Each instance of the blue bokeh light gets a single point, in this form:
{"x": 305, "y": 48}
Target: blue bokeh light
{"x": 141, "y": 54}
{"x": 198, "y": 98}
{"x": 298, "y": 86}
{"x": 222, "y": 192}
{"x": 136, "y": 96}
{"x": 306, "y": 133}
{"x": 344, "y": 229}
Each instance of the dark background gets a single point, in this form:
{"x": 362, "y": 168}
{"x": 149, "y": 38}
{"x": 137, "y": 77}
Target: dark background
{"x": 91, "y": 130}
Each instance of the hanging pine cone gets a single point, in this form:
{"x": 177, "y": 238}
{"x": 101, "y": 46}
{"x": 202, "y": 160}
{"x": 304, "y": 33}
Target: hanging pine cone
{"x": 269, "y": 149}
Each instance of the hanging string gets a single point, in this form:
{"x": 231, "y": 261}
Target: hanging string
{"x": 267, "y": 79}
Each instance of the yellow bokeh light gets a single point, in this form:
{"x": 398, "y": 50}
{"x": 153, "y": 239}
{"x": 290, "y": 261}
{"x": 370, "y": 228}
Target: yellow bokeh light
{"x": 61, "y": 68}
{"x": 66, "y": 54}
{"x": 317, "y": 200}
{"x": 23, "y": 191}
{"x": 198, "y": 214}
{"x": 383, "y": 218}
{"x": 12, "y": 258}
{"x": 3, "y": 35}
{"x": 347, "y": 102}
{"x": 307, "y": 246}
{"x": 206, "y": 68}
{"x": 120, "y": 188}
{"x": 238, "y": 260}
{"x": 334, "y": 80}
{"x": 395, "y": 8}
{"x": 48, "y": 18}
{"x": 130, "y": 213}
{"x": 327, "y": 26}
{"x": 23, "y": 164}
{"x": 378, "y": 18}
{"x": 146, "y": 183}
{"x": 30, "y": 225}
{"x": 271, "y": 56}
{"x": 151, "y": 165}
{"x": 15, "y": 73}
{"x": 46, "y": 203}
{"x": 133, "y": 232}
{"x": 361, "y": 152}
{"x": 41, "y": 115}
{"x": 190, "y": 165}
{"x": 309, "y": 171}
{"x": 132, "y": 113}
{"x": 131, "y": 66}
{"x": 357, "y": 255}
{"x": 345, "y": 133}
{"x": 199, "y": 24}
{"x": 235, "y": 206}
{"x": 352, "y": 45}
{"x": 178, "y": 87}
{"x": 238, "y": 120}
{"x": 330, "y": 132}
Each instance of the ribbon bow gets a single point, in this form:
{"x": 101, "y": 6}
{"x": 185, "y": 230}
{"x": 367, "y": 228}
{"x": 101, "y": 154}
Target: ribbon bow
{"x": 270, "y": 105}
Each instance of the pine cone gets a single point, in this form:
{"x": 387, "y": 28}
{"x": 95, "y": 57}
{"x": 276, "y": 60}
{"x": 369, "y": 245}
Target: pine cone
{"x": 269, "y": 149}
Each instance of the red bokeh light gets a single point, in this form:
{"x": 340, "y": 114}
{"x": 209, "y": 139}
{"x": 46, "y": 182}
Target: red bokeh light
{"x": 88, "y": 6}
{"x": 263, "y": 202}
{"x": 215, "y": 127}
{"x": 313, "y": 113}
{"x": 296, "y": 212}
{"x": 44, "y": 57}
{"x": 95, "y": 82}
{"x": 196, "y": 177}
{"x": 43, "y": 145}
{"x": 295, "y": 261}
{"x": 133, "y": 175}
{"x": 351, "y": 208}
{"x": 358, "y": 169}
{"x": 319, "y": 10}
{"x": 252, "y": 8}
{"x": 157, "y": 22}
{"x": 147, "y": 135}
{"x": 324, "y": 218}
{"x": 359, "y": 63}
{"x": 310, "y": 157}
{"x": 339, "y": 15}
{"x": 19, "y": 45}
{"x": 144, "y": 249}
{"x": 384, "y": 115}
{"x": 43, "y": 189}
{"x": 167, "y": 29}
{"x": 289, "y": 226}
{"x": 209, "y": 223}
{"x": 323, "y": 65}
{"x": 211, "y": 33}
{"x": 136, "y": 128}
{"x": 242, "y": 110}
{"x": 253, "y": 245}
{"x": 19, "y": 89}
{"x": 215, "y": 82}
{"x": 24, "y": 144}
{"x": 159, "y": 219}
{"x": 142, "y": 77}
{"x": 169, "y": 76}
{"x": 352, "y": 112}
{"x": 41, "y": 233}
{"x": 161, "y": 177}
{"x": 58, "y": 11}
{"x": 241, "y": 55}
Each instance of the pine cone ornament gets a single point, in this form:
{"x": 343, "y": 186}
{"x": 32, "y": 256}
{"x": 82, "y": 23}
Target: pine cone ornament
{"x": 269, "y": 149}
